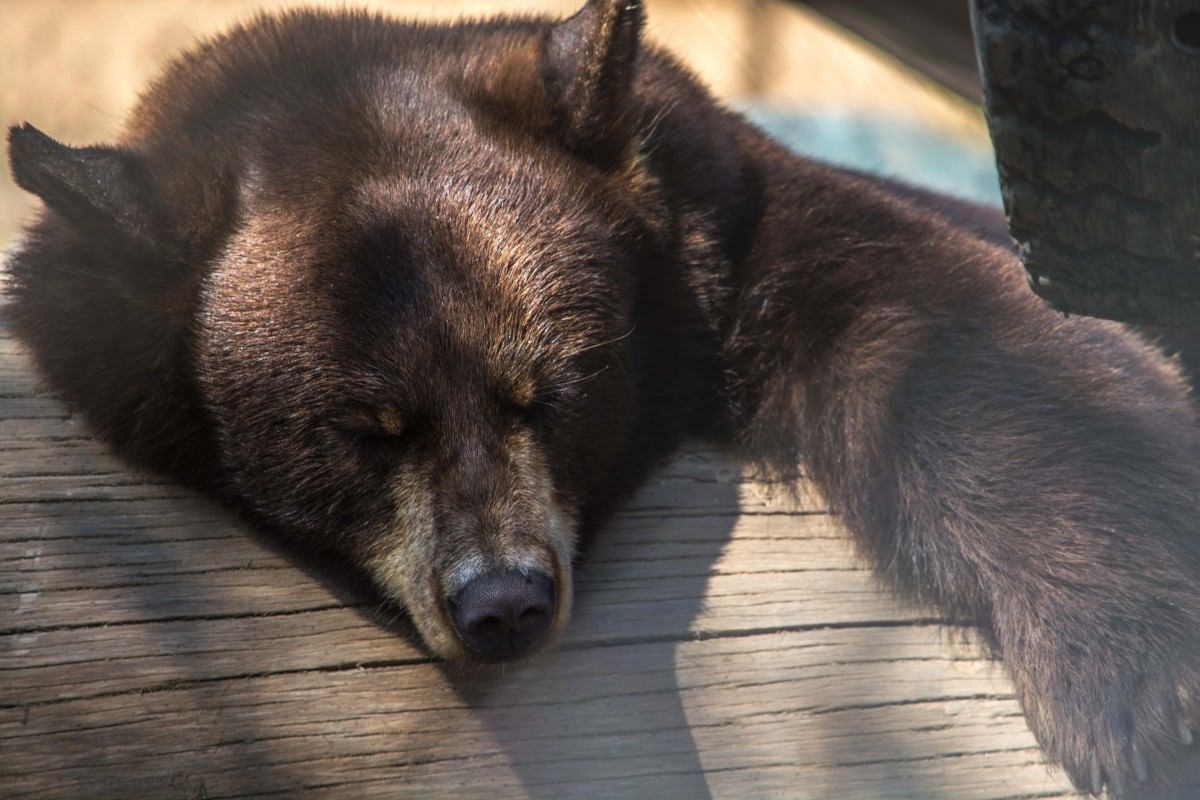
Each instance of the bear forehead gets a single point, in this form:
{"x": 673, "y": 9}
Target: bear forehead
{"x": 415, "y": 276}
{"x": 481, "y": 244}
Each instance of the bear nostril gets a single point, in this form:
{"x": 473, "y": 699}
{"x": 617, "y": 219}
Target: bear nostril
{"x": 491, "y": 628}
{"x": 503, "y": 615}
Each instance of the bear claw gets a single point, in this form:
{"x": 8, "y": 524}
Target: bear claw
{"x": 1185, "y": 734}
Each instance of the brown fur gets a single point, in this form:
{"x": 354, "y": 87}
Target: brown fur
{"x": 435, "y": 298}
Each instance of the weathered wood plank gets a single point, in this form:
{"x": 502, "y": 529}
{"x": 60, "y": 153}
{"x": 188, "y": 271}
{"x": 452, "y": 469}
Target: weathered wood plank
{"x": 15, "y": 379}
{"x": 32, "y": 406}
{"x": 816, "y": 706}
{"x": 646, "y": 548}
{"x": 55, "y": 455}
{"x": 681, "y": 604}
{"x": 726, "y": 643}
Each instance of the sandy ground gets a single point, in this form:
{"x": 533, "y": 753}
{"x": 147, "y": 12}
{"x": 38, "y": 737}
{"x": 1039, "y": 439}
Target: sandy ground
{"x": 74, "y": 67}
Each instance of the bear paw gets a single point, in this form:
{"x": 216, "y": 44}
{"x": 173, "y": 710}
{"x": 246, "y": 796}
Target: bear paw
{"x": 1121, "y": 722}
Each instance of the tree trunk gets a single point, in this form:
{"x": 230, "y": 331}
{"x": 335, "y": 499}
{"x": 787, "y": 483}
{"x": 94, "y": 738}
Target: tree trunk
{"x": 1094, "y": 109}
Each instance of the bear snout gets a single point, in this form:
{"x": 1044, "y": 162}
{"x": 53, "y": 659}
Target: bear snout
{"x": 505, "y": 614}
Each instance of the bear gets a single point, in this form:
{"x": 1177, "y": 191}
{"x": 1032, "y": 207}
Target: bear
{"x": 433, "y": 299}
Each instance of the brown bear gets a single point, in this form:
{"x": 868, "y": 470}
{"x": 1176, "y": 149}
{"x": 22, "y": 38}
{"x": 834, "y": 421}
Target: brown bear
{"x": 435, "y": 298}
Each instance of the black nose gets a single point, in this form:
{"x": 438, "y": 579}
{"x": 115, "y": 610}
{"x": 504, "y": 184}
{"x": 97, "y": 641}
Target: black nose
{"x": 504, "y": 615}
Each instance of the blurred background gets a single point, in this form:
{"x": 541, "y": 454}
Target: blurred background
{"x": 74, "y": 69}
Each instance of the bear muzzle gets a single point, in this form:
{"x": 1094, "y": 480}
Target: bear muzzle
{"x": 504, "y": 614}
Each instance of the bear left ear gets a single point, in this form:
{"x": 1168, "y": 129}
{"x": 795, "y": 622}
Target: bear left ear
{"x": 92, "y": 187}
{"x": 588, "y": 62}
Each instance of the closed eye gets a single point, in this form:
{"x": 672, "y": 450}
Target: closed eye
{"x": 552, "y": 398}
{"x": 531, "y": 410}
{"x": 374, "y": 439}
{"x": 373, "y": 433}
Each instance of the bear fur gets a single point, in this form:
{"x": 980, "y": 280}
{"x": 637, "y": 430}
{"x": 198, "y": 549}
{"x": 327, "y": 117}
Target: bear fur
{"x": 436, "y": 298}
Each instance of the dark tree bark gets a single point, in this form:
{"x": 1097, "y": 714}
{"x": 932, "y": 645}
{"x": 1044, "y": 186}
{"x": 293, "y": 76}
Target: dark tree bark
{"x": 1094, "y": 109}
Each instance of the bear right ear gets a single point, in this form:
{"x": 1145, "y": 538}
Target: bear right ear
{"x": 588, "y": 61}
{"x": 92, "y": 187}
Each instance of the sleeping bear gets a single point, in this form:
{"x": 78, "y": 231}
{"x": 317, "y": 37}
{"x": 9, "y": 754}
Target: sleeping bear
{"x": 435, "y": 298}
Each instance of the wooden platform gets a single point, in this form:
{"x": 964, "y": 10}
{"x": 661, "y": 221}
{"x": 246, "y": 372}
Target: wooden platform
{"x": 724, "y": 646}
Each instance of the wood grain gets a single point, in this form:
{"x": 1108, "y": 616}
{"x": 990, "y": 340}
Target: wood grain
{"x": 725, "y": 644}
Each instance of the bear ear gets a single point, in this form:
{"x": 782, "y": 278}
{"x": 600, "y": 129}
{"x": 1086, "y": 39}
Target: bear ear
{"x": 588, "y": 62}
{"x": 92, "y": 187}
